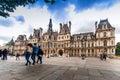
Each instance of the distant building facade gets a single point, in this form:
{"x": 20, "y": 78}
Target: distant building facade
{"x": 64, "y": 44}
{"x": 20, "y": 44}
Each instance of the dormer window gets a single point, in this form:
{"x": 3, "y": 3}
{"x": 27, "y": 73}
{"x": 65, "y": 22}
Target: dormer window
{"x": 104, "y": 26}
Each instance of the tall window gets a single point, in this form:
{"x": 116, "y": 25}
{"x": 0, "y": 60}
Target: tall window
{"x": 88, "y": 45}
{"x": 112, "y": 42}
{"x": 99, "y": 50}
{"x": 99, "y": 42}
{"x": 88, "y": 50}
{"x": 104, "y": 34}
{"x": 112, "y": 50}
{"x": 105, "y": 49}
{"x": 104, "y": 26}
{"x": 105, "y": 43}
{"x": 111, "y": 33}
{"x": 92, "y": 50}
{"x": 98, "y": 34}
{"x": 92, "y": 45}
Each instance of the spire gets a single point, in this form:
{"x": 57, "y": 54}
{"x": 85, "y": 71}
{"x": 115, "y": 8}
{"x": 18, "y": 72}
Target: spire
{"x": 50, "y": 26}
{"x": 11, "y": 42}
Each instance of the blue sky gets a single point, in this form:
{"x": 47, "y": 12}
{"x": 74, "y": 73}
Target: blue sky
{"x": 82, "y": 14}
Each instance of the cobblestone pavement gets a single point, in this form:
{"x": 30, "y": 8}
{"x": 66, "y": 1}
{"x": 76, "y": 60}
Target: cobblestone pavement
{"x": 61, "y": 68}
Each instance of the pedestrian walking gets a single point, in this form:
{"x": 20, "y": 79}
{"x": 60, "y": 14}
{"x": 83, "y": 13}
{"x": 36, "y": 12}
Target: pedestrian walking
{"x": 34, "y": 53}
{"x": 104, "y": 56}
{"x": 83, "y": 56}
{"x": 17, "y": 56}
{"x": 101, "y": 56}
{"x": 5, "y": 52}
{"x": 1, "y": 53}
{"x": 28, "y": 52}
{"x": 40, "y": 55}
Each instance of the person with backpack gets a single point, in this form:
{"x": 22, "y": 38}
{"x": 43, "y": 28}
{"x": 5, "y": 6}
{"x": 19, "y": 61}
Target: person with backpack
{"x": 40, "y": 55}
{"x": 34, "y": 53}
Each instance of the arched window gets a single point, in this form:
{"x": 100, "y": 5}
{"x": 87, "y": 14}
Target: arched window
{"x": 105, "y": 43}
{"x": 104, "y": 34}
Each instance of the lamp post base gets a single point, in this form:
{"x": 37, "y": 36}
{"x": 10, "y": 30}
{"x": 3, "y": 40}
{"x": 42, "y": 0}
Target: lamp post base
{"x": 48, "y": 57}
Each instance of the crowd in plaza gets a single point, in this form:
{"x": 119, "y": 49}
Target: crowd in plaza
{"x": 3, "y": 54}
{"x": 32, "y": 52}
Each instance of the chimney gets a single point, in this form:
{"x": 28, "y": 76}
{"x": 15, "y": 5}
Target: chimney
{"x": 70, "y": 26}
{"x": 60, "y": 27}
{"x": 95, "y": 25}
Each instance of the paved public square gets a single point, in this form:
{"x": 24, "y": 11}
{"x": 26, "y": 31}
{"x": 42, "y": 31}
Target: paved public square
{"x": 61, "y": 68}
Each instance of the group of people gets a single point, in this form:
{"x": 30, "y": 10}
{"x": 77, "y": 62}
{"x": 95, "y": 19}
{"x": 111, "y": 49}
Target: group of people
{"x": 3, "y": 54}
{"x": 33, "y": 52}
{"x": 103, "y": 56}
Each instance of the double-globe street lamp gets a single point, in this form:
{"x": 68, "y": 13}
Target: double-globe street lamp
{"x": 49, "y": 43}
{"x": 83, "y": 44}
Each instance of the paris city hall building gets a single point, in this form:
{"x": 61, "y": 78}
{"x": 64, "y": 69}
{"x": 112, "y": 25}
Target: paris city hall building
{"x": 62, "y": 43}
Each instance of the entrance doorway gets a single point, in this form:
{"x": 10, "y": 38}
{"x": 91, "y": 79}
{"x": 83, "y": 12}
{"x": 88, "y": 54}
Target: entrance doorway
{"x": 60, "y": 52}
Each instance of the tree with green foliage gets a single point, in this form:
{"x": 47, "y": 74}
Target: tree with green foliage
{"x": 7, "y": 6}
{"x": 118, "y": 48}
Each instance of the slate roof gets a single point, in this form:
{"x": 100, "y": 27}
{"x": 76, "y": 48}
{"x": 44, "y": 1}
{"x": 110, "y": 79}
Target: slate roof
{"x": 102, "y": 22}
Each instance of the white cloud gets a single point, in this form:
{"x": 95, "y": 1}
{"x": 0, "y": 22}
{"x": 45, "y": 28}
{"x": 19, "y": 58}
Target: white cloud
{"x": 39, "y": 17}
{"x": 34, "y": 18}
{"x": 84, "y": 21}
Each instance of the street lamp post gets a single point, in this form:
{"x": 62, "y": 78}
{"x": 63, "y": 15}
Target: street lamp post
{"x": 49, "y": 35}
{"x": 12, "y": 52}
{"x": 49, "y": 38}
{"x": 48, "y": 48}
{"x": 83, "y": 48}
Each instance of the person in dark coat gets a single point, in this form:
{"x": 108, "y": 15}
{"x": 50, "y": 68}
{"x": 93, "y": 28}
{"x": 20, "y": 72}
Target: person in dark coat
{"x": 40, "y": 55}
{"x": 104, "y": 56}
{"x": 1, "y": 53}
{"x": 5, "y": 52}
{"x": 83, "y": 56}
{"x": 101, "y": 56}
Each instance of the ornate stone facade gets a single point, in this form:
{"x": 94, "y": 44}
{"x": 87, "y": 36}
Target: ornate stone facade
{"x": 20, "y": 44}
{"x": 64, "y": 44}
{"x": 91, "y": 43}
